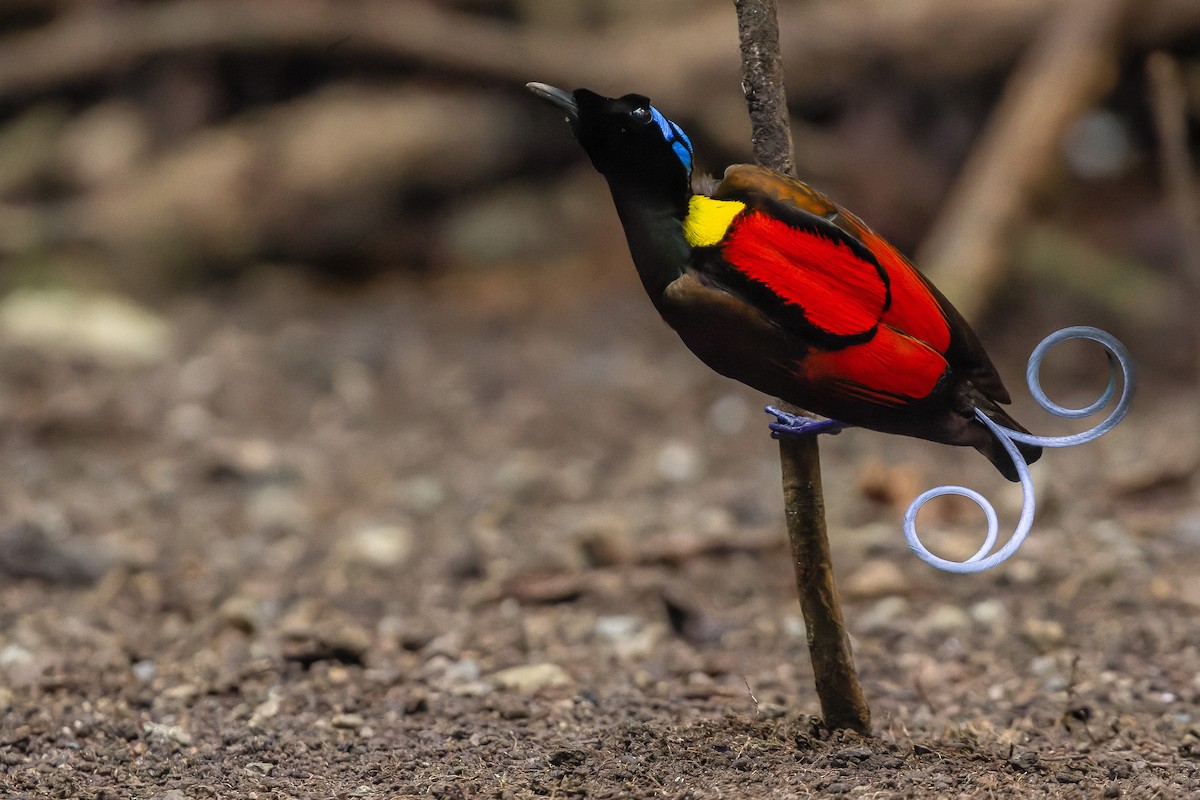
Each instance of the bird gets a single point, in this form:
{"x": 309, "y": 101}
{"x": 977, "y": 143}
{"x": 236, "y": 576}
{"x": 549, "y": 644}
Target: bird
{"x": 771, "y": 283}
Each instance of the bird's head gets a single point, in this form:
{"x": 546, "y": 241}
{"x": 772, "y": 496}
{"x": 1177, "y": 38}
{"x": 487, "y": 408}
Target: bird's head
{"x": 625, "y": 137}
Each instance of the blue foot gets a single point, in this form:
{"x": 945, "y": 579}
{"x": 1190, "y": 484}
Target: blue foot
{"x": 798, "y": 425}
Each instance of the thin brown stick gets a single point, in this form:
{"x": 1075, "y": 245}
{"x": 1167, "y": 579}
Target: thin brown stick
{"x": 1069, "y": 67}
{"x": 842, "y": 702}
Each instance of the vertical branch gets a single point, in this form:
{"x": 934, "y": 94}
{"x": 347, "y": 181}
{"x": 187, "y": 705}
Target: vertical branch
{"x": 842, "y": 703}
{"x": 762, "y": 82}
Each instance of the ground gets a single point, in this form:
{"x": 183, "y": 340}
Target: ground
{"x": 488, "y": 537}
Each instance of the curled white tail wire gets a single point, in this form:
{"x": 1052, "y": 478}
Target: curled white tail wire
{"x": 1118, "y": 356}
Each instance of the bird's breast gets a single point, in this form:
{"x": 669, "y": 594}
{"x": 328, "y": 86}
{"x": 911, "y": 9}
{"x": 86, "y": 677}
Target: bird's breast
{"x": 708, "y": 220}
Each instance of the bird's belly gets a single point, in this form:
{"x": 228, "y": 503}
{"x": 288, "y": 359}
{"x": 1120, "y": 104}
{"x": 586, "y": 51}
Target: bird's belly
{"x": 888, "y": 382}
{"x": 778, "y": 364}
{"x": 762, "y": 358}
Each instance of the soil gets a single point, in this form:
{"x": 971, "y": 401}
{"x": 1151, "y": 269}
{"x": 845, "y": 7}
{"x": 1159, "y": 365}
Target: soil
{"x": 502, "y": 536}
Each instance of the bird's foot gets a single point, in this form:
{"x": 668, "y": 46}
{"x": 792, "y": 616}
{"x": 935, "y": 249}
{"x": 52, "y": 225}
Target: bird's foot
{"x": 787, "y": 424}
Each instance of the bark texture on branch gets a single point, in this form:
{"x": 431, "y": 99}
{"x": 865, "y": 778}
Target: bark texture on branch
{"x": 762, "y": 83}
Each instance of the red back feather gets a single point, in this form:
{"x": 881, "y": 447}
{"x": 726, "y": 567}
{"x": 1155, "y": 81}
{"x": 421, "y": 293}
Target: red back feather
{"x": 837, "y": 291}
{"x": 914, "y": 310}
{"x": 891, "y": 369}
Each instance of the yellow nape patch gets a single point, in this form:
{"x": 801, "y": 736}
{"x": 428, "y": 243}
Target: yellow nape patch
{"x": 707, "y": 220}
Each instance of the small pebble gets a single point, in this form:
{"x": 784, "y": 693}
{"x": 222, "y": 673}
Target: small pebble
{"x": 944, "y": 619}
{"x": 729, "y": 413}
{"x": 14, "y": 654}
{"x": 794, "y": 627}
{"x": 266, "y": 709}
{"x": 883, "y": 615}
{"x": 347, "y": 721}
{"x": 181, "y": 692}
{"x": 158, "y": 732}
{"x": 423, "y": 494}
{"x": 278, "y": 509}
{"x": 1044, "y": 666}
{"x": 1023, "y": 573}
{"x": 604, "y": 541}
{"x": 876, "y": 578}
{"x": 991, "y": 614}
{"x": 381, "y": 545}
{"x": 531, "y": 677}
{"x": 678, "y": 462}
{"x": 854, "y": 754}
{"x": 1048, "y": 669}
{"x": 144, "y": 671}
{"x": 189, "y": 421}
{"x": 616, "y": 627}
{"x": 241, "y": 613}
{"x": 772, "y": 710}
{"x": 1044, "y": 634}
{"x": 464, "y": 670}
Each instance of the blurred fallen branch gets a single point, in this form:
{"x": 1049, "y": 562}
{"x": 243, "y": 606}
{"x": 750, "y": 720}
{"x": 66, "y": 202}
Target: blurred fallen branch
{"x": 319, "y": 170}
{"x": 673, "y": 550}
{"x": 96, "y": 41}
{"x": 825, "y": 41}
{"x": 1067, "y": 69}
{"x": 679, "y": 548}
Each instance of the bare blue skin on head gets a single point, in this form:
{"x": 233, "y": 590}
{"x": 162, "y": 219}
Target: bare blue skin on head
{"x": 679, "y": 140}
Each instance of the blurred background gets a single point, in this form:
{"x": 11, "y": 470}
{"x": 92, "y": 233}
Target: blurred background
{"x": 163, "y": 146}
{"x": 232, "y": 230}
{"x": 295, "y": 216}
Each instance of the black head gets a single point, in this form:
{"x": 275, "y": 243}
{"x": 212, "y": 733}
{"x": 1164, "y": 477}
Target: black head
{"x": 626, "y": 137}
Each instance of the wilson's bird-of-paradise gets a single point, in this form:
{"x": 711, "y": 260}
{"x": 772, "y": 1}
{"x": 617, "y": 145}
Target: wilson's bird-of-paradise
{"x": 772, "y": 284}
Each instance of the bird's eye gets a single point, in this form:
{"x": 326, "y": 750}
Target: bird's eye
{"x": 640, "y": 115}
